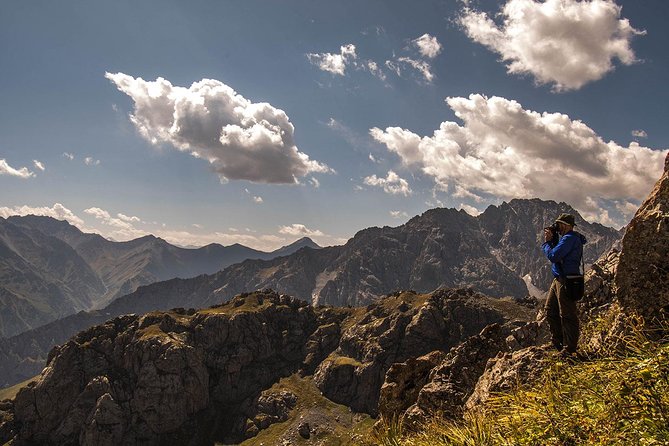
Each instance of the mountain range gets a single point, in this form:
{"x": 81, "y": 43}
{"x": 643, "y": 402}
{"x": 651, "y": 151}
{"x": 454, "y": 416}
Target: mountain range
{"x": 50, "y": 269}
{"x": 496, "y": 253}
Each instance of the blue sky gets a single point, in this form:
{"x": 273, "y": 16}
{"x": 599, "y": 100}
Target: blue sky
{"x": 260, "y": 122}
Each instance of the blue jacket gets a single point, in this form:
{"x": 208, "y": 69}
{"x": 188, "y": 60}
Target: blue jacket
{"x": 566, "y": 255}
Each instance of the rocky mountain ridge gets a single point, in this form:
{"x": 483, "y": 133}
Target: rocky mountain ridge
{"x": 50, "y": 269}
{"x": 441, "y": 248}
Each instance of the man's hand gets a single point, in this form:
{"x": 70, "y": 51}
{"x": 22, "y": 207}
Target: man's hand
{"x": 548, "y": 234}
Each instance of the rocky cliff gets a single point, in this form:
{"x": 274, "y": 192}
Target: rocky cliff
{"x": 642, "y": 276}
{"x": 196, "y": 377}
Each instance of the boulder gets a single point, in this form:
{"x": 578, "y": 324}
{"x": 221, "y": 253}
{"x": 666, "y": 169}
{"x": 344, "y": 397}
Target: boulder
{"x": 505, "y": 372}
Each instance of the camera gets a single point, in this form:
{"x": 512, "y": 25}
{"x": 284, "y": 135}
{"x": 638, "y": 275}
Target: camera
{"x": 554, "y": 230}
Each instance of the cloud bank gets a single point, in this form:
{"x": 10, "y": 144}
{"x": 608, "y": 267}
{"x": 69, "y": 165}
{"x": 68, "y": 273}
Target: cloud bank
{"x": 6, "y": 169}
{"x": 241, "y": 140}
{"x": 502, "y": 151}
{"x": 57, "y": 211}
{"x": 392, "y": 184}
{"x": 567, "y": 43}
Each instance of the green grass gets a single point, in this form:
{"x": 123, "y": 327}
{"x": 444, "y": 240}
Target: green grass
{"x": 344, "y": 426}
{"x": 616, "y": 397}
{"x": 9, "y": 393}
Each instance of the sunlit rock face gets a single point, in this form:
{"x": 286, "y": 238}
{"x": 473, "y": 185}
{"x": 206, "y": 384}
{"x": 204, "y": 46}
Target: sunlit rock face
{"x": 642, "y": 277}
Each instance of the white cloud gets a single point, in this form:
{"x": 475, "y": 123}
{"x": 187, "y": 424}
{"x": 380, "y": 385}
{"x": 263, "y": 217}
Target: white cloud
{"x": 392, "y": 184}
{"x": 427, "y": 45}
{"x": 121, "y": 228}
{"x": 399, "y": 214}
{"x": 129, "y": 219}
{"x": 421, "y": 66}
{"x": 504, "y": 151}
{"x": 68, "y": 155}
{"x": 374, "y": 69}
{"x": 6, "y": 169}
{"x": 242, "y": 140}
{"x": 334, "y": 63}
{"x": 471, "y": 210}
{"x": 39, "y": 165}
{"x": 567, "y": 43}
{"x": 197, "y": 226}
{"x": 639, "y": 134}
{"x": 314, "y": 182}
{"x": 57, "y": 211}
{"x": 299, "y": 230}
{"x": 256, "y": 199}
{"x": 394, "y": 67}
{"x": 89, "y": 161}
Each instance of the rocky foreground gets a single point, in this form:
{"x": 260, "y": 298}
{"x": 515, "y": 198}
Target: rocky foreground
{"x": 197, "y": 377}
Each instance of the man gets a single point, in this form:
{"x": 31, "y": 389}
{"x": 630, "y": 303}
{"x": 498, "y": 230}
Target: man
{"x": 565, "y": 256}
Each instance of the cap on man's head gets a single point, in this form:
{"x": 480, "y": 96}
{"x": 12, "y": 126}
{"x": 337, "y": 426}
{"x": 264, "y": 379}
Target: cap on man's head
{"x": 567, "y": 219}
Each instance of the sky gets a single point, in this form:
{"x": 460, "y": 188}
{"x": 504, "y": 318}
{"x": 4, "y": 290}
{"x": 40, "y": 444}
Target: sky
{"x": 261, "y": 122}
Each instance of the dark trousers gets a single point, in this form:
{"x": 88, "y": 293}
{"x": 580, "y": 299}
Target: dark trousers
{"x": 562, "y": 316}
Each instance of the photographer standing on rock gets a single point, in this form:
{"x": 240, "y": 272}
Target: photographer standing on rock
{"x": 565, "y": 253}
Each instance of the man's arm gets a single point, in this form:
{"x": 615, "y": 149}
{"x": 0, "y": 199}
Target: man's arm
{"x": 560, "y": 250}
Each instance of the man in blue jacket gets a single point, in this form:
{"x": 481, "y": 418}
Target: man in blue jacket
{"x": 565, "y": 256}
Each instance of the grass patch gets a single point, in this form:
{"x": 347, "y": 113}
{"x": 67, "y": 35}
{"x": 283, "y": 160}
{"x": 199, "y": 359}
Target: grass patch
{"x": 9, "y": 393}
{"x": 336, "y": 425}
{"x": 250, "y": 303}
{"x": 621, "y": 397}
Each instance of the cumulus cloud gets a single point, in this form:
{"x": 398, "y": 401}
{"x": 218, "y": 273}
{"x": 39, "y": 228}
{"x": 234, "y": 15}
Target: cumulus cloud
{"x": 334, "y": 63}
{"x": 6, "y": 169}
{"x": 57, "y": 211}
{"x": 399, "y": 214}
{"x": 315, "y": 183}
{"x": 639, "y": 134}
{"x": 90, "y": 161}
{"x": 129, "y": 219}
{"x": 471, "y": 210}
{"x": 257, "y": 199}
{"x": 241, "y": 140}
{"x": 69, "y": 156}
{"x": 299, "y": 230}
{"x": 427, "y": 45}
{"x": 503, "y": 151}
{"x": 392, "y": 184}
{"x": 566, "y": 43}
{"x": 39, "y": 165}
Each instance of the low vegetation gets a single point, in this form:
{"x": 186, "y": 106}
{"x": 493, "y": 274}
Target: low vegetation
{"x": 335, "y": 424}
{"x": 610, "y": 396}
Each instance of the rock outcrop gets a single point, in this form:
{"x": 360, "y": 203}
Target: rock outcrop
{"x": 400, "y": 327}
{"x": 642, "y": 277}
